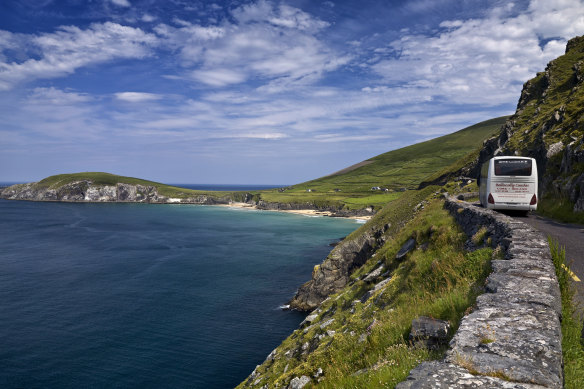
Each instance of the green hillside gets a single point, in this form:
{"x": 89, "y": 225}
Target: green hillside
{"x": 100, "y": 178}
{"x": 397, "y": 170}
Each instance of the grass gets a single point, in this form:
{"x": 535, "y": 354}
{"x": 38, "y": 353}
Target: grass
{"x": 369, "y": 347}
{"x": 397, "y": 170}
{"x": 572, "y": 342}
{"x": 559, "y": 208}
{"x": 100, "y": 178}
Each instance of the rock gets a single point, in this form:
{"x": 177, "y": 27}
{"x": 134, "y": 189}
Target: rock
{"x": 405, "y": 249}
{"x": 554, "y": 149}
{"x": 326, "y": 323}
{"x": 299, "y": 382}
{"x": 374, "y": 274}
{"x": 308, "y": 320}
{"x": 318, "y": 373}
{"x": 376, "y": 288}
{"x": 334, "y": 272}
{"x": 429, "y": 332}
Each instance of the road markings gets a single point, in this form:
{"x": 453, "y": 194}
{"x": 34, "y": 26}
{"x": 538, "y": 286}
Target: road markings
{"x": 571, "y": 273}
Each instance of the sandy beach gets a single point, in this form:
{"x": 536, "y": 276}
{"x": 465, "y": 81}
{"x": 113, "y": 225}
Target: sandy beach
{"x": 305, "y": 212}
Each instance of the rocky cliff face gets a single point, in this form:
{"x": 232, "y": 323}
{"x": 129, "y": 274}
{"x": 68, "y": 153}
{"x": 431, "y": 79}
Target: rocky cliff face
{"x": 548, "y": 125}
{"x": 80, "y": 191}
{"x": 334, "y": 273}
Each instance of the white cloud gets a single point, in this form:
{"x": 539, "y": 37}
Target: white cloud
{"x": 137, "y": 97}
{"x": 483, "y": 61}
{"x": 69, "y": 48}
{"x": 218, "y": 77}
{"x": 121, "y": 3}
{"x": 148, "y": 18}
{"x": 267, "y": 43}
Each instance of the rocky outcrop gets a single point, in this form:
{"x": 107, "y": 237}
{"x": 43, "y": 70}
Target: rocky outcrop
{"x": 334, "y": 273}
{"x": 86, "y": 191}
{"x": 512, "y": 339}
{"x": 548, "y": 126}
{"x": 429, "y": 332}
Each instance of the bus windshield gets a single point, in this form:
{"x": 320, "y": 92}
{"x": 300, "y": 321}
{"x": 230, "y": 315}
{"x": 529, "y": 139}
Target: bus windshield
{"x": 513, "y": 167}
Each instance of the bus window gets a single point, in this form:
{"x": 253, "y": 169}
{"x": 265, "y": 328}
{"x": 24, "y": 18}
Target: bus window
{"x": 513, "y": 167}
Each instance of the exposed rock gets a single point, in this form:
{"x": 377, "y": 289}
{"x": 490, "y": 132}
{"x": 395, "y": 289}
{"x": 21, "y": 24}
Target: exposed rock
{"x": 327, "y": 323}
{"x": 429, "y": 332}
{"x": 375, "y": 289}
{"x": 299, "y": 382}
{"x": 374, "y": 274}
{"x": 334, "y": 273}
{"x": 432, "y": 375}
{"x": 554, "y": 149}
{"x": 405, "y": 249}
{"x": 308, "y": 320}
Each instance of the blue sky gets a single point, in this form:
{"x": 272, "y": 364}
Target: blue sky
{"x": 262, "y": 92}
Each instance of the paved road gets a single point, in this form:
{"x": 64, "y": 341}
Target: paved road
{"x": 571, "y": 236}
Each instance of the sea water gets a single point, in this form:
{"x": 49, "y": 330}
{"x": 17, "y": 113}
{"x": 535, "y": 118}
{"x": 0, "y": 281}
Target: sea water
{"x": 148, "y": 296}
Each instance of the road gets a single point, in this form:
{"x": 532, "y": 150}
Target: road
{"x": 571, "y": 236}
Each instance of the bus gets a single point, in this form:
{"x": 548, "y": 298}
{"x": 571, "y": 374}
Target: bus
{"x": 509, "y": 183}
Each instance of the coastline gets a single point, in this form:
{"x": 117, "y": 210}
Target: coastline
{"x": 304, "y": 212}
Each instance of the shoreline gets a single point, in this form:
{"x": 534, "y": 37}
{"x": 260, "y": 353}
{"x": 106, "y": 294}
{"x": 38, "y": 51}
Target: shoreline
{"x": 304, "y": 212}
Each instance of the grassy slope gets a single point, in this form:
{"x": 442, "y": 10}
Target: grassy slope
{"x": 99, "y": 178}
{"x": 404, "y": 168}
{"x": 563, "y": 94}
{"x": 572, "y": 344}
{"x": 441, "y": 281}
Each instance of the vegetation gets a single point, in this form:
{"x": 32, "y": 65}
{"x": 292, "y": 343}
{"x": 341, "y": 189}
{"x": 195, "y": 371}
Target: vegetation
{"x": 363, "y": 343}
{"x": 572, "y": 342}
{"x": 550, "y": 92}
{"x": 99, "y": 178}
{"x": 559, "y": 208}
{"x": 396, "y": 171}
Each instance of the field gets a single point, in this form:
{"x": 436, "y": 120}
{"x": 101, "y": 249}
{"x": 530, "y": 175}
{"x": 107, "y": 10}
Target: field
{"x": 397, "y": 171}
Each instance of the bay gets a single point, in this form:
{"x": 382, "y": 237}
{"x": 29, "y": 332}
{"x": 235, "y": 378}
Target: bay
{"x": 149, "y": 296}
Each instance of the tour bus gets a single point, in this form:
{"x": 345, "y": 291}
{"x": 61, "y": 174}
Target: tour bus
{"x": 509, "y": 183}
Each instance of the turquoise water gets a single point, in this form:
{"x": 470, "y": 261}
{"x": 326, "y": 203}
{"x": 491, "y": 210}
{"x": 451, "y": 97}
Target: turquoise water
{"x": 148, "y": 296}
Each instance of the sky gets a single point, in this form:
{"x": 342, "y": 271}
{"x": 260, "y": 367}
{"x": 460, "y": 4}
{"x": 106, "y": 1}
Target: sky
{"x": 256, "y": 92}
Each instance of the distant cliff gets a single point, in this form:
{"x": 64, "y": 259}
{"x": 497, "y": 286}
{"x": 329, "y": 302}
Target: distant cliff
{"x": 105, "y": 187}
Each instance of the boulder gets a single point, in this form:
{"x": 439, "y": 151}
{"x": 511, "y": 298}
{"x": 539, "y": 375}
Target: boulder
{"x": 374, "y": 274}
{"x": 405, "y": 249}
{"x": 299, "y": 382}
{"x": 429, "y": 332}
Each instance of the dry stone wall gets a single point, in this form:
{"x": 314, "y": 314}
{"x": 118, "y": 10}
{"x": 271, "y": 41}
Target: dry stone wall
{"x": 512, "y": 339}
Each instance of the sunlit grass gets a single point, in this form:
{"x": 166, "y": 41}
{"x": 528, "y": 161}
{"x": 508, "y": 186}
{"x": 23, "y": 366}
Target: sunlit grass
{"x": 369, "y": 347}
{"x": 572, "y": 342}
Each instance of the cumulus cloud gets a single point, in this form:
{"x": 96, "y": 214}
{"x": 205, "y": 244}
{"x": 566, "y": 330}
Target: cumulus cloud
{"x": 69, "y": 48}
{"x": 121, "y": 3}
{"x": 137, "y": 97}
{"x": 483, "y": 61}
{"x": 265, "y": 42}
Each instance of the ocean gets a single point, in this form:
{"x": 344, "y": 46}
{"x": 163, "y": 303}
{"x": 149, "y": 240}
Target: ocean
{"x": 148, "y": 296}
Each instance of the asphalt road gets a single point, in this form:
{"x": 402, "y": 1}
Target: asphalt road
{"x": 570, "y": 236}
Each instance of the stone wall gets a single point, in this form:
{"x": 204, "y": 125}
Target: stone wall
{"x": 512, "y": 338}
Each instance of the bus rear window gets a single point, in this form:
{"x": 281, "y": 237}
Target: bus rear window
{"x": 513, "y": 167}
